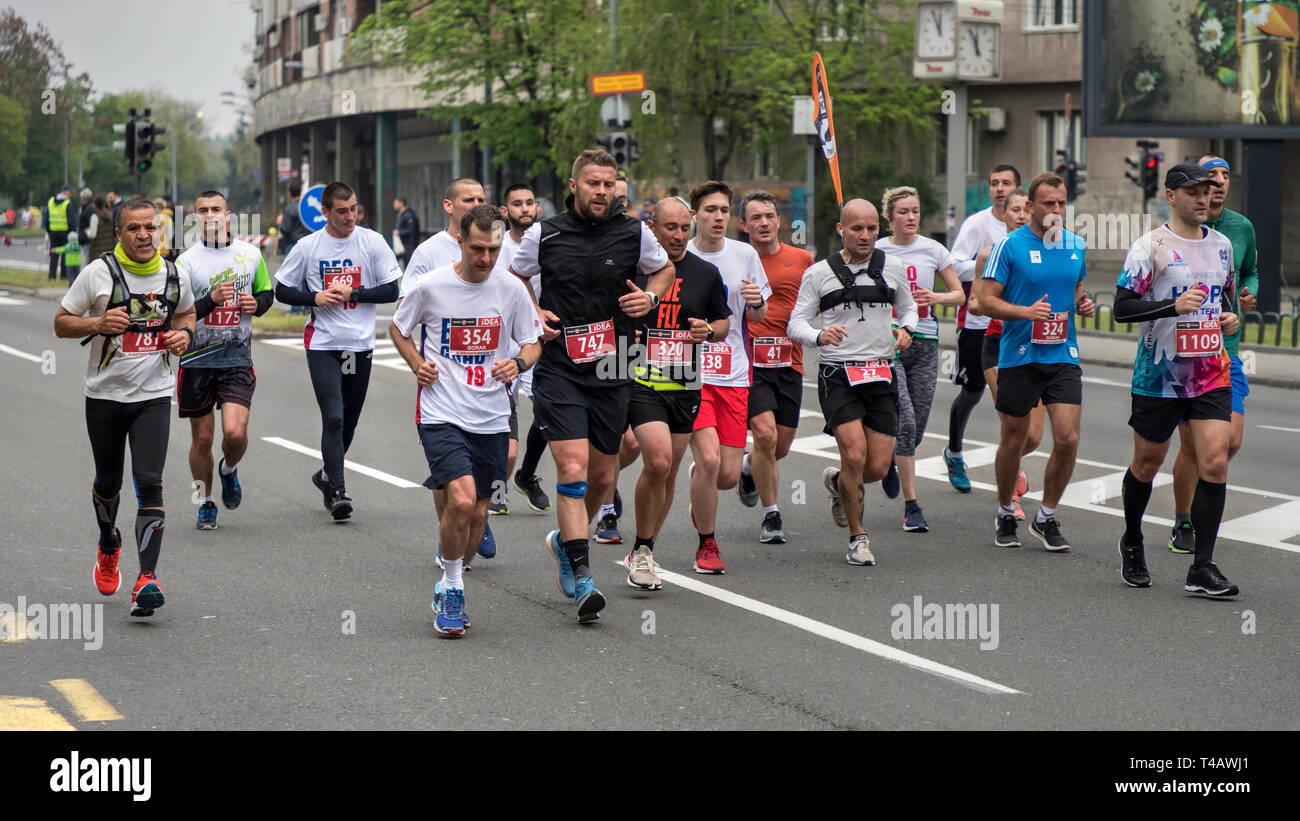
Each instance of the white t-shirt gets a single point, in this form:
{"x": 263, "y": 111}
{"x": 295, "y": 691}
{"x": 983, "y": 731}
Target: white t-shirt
{"x": 437, "y": 251}
{"x": 922, "y": 258}
{"x": 347, "y": 326}
{"x": 464, "y": 328}
{"x": 736, "y": 261}
{"x": 508, "y": 250}
{"x": 110, "y": 373}
{"x": 979, "y": 231}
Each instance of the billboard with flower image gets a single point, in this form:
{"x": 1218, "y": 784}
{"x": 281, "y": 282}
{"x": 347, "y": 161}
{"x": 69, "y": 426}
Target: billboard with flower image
{"x": 1192, "y": 68}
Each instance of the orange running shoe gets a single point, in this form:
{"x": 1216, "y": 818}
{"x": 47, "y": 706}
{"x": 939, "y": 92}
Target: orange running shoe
{"x": 107, "y": 577}
{"x": 147, "y": 595}
{"x": 708, "y": 560}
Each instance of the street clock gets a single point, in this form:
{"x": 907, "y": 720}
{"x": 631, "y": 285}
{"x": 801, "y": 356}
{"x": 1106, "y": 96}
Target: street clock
{"x": 958, "y": 40}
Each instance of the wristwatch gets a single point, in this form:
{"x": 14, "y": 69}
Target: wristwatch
{"x": 654, "y": 300}
{"x": 520, "y": 364}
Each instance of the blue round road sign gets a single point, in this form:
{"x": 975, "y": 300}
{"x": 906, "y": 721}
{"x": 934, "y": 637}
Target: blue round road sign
{"x": 310, "y": 208}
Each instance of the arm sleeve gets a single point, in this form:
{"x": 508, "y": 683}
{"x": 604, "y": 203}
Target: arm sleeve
{"x": 203, "y": 306}
{"x": 1131, "y": 307}
{"x": 290, "y": 295}
{"x": 265, "y": 299}
{"x": 387, "y": 292}
{"x": 800, "y": 326}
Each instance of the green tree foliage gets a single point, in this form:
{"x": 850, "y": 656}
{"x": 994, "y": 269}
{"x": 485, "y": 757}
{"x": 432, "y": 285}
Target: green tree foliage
{"x": 13, "y": 142}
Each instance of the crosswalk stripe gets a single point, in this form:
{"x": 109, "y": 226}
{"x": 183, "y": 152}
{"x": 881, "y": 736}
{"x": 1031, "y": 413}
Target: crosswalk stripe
{"x": 18, "y": 713}
{"x": 86, "y": 701}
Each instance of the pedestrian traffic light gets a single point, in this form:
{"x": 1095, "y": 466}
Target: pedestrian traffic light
{"x": 1144, "y": 168}
{"x": 1134, "y": 174}
{"x": 1151, "y": 176}
{"x": 1074, "y": 179}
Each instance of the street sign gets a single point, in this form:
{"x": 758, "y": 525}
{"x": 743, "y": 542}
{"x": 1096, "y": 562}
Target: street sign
{"x": 310, "y": 208}
{"x": 283, "y": 170}
{"x": 804, "y": 118}
{"x": 624, "y": 82}
{"x": 614, "y": 111}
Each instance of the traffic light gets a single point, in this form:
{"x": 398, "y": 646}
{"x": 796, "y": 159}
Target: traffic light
{"x": 1072, "y": 172}
{"x": 619, "y": 147}
{"x": 632, "y": 155}
{"x": 1151, "y": 176}
{"x": 145, "y": 144}
{"x": 1144, "y": 168}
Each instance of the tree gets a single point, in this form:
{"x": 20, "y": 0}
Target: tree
{"x": 535, "y": 56}
{"x": 13, "y": 143}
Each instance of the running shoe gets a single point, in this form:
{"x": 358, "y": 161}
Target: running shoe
{"x": 860, "y": 551}
{"x": 956, "y": 472}
{"x": 914, "y": 522}
{"x": 231, "y": 493}
{"x": 831, "y": 479}
{"x": 341, "y": 506}
{"x": 772, "y": 532}
{"x": 641, "y": 570}
{"x": 107, "y": 577}
{"x": 1022, "y": 484}
{"x": 1049, "y": 533}
{"x": 207, "y": 516}
{"x": 532, "y": 489}
{"x": 1183, "y": 538}
{"x": 487, "y": 548}
{"x": 708, "y": 560}
{"x": 607, "y": 530}
{"x": 437, "y": 602}
{"x": 1209, "y": 581}
{"x": 498, "y": 509}
{"x": 1020, "y": 511}
{"x": 1133, "y": 565}
{"x": 746, "y": 488}
{"x": 323, "y": 484}
{"x": 891, "y": 484}
{"x": 563, "y": 570}
{"x": 450, "y": 620}
{"x": 147, "y": 596}
{"x": 1006, "y": 532}
{"x": 590, "y": 600}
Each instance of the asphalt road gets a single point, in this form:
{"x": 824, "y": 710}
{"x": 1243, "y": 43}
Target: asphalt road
{"x": 254, "y": 632}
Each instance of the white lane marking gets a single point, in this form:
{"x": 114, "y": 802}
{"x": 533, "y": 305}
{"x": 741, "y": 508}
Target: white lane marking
{"x": 383, "y": 352}
{"x": 835, "y": 634}
{"x": 396, "y": 481}
{"x": 804, "y": 413}
{"x": 30, "y": 357}
{"x": 5, "y": 299}
{"x": 1275, "y": 427}
{"x": 1097, "y": 380}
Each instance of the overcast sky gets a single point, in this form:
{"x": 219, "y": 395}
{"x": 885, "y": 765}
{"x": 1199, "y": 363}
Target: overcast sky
{"x": 192, "y": 49}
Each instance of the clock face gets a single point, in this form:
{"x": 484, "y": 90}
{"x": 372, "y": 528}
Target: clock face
{"x": 936, "y": 32}
{"x": 977, "y": 50}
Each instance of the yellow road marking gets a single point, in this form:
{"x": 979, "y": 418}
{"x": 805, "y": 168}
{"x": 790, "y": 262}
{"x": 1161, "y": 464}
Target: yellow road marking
{"x": 9, "y": 629}
{"x": 86, "y": 700}
{"x": 29, "y": 714}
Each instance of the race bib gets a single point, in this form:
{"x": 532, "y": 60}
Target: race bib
{"x": 1199, "y": 337}
{"x": 225, "y": 315}
{"x": 715, "y": 360}
{"x": 1051, "y": 331}
{"x": 349, "y": 275}
{"x": 475, "y": 336}
{"x": 773, "y": 352}
{"x": 668, "y": 348}
{"x": 143, "y": 343}
{"x": 876, "y": 370}
{"x": 587, "y": 343}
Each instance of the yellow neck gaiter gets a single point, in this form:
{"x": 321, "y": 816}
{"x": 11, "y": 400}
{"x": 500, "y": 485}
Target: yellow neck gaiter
{"x": 140, "y": 269}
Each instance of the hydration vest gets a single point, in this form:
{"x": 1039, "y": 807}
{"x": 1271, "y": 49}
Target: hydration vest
{"x": 121, "y": 296}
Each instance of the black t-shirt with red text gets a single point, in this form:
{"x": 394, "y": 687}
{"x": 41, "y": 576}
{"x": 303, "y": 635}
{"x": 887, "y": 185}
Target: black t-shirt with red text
{"x": 671, "y": 358}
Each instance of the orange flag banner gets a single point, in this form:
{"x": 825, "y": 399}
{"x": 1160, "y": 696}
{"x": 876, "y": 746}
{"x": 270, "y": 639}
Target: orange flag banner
{"x": 822, "y": 119}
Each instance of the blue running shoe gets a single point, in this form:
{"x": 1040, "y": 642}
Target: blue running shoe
{"x": 607, "y": 531}
{"x": 956, "y": 472}
{"x": 563, "y": 570}
{"x": 450, "y": 620}
{"x": 487, "y": 549}
{"x": 590, "y": 600}
{"x": 914, "y": 522}
{"x": 890, "y": 484}
{"x": 231, "y": 493}
{"x": 437, "y": 602}
{"x": 618, "y": 505}
{"x": 207, "y": 516}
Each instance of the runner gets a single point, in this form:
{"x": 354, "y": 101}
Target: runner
{"x": 1034, "y": 283}
{"x": 857, "y": 292}
{"x": 1178, "y": 281}
{"x": 230, "y": 284}
{"x": 587, "y": 257}
{"x": 1016, "y": 212}
{"x": 981, "y": 229}
{"x": 1241, "y": 233}
{"x": 777, "y": 393}
{"x": 342, "y": 272}
{"x": 443, "y": 248}
{"x": 718, "y": 444}
{"x": 462, "y": 414}
{"x": 917, "y": 368}
{"x": 666, "y": 397}
{"x": 137, "y": 311}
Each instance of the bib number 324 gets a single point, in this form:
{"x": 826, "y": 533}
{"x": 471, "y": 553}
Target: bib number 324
{"x": 1051, "y": 331}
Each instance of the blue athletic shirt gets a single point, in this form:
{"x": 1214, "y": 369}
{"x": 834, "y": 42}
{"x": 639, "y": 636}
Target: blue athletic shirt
{"x": 1028, "y": 269}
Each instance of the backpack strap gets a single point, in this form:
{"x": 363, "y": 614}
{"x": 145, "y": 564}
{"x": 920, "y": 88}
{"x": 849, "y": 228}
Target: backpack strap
{"x": 119, "y": 295}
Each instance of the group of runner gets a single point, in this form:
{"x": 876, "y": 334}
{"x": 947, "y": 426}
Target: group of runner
{"x": 635, "y": 340}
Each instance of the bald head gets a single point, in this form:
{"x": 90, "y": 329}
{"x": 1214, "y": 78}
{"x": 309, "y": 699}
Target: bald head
{"x": 671, "y": 224}
{"x": 859, "y": 226}
{"x": 670, "y": 206}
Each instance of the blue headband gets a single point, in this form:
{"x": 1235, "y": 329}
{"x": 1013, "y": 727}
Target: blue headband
{"x": 1216, "y": 163}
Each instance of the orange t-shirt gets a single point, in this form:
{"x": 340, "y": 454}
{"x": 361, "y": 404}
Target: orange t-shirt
{"x": 784, "y": 271}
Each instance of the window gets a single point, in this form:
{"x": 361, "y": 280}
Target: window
{"x": 941, "y": 147}
{"x": 1053, "y": 132}
{"x": 308, "y": 36}
{"x": 1043, "y": 15}
{"x": 764, "y": 156}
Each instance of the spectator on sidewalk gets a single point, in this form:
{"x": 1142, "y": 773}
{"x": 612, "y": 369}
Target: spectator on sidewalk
{"x": 407, "y": 230}
{"x": 58, "y": 217}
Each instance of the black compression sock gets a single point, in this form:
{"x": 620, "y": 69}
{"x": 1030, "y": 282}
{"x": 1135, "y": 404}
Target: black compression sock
{"x": 650, "y": 543}
{"x": 1207, "y": 514}
{"x": 105, "y": 515}
{"x": 958, "y": 417}
{"x": 533, "y": 450}
{"x": 149, "y": 524}
{"x": 578, "y": 556}
{"x": 1136, "y": 495}
{"x": 703, "y": 537}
